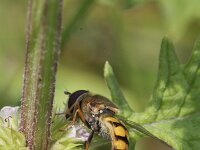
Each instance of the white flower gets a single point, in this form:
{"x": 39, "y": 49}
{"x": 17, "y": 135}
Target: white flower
{"x": 79, "y": 132}
{"x": 10, "y": 116}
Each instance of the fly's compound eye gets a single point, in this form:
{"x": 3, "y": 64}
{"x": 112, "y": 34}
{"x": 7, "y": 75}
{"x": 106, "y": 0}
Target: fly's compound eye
{"x": 73, "y": 99}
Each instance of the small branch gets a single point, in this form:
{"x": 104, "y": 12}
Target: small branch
{"x": 42, "y": 53}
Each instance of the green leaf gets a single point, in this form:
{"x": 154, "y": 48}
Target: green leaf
{"x": 116, "y": 93}
{"x": 173, "y": 111}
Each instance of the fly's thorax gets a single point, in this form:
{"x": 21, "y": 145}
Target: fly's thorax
{"x": 92, "y": 119}
{"x": 97, "y": 104}
{"x": 93, "y": 107}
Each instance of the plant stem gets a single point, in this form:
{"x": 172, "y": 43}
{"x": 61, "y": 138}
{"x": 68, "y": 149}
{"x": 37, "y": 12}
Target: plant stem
{"x": 42, "y": 53}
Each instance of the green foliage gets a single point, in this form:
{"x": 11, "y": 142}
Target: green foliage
{"x": 173, "y": 112}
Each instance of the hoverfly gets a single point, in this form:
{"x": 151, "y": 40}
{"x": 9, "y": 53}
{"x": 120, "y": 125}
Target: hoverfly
{"x": 98, "y": 114}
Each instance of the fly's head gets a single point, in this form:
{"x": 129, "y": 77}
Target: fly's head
{"x": 74, "y": 99}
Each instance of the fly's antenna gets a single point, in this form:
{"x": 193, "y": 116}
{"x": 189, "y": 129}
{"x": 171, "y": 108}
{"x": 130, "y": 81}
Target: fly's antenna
{"x": 67, "y": 92}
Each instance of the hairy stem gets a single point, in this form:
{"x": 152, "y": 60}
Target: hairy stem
{"x": 42, "y": 52}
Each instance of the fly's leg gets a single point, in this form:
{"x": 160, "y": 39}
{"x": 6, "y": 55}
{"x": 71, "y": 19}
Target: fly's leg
{"x": 72, "y": 122}
{"x": 77, "y": 113}
{"x": 87, "y": 143}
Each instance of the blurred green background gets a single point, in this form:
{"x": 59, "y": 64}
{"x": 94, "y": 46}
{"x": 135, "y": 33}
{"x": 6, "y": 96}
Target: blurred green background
{"x": 127, "y": 33}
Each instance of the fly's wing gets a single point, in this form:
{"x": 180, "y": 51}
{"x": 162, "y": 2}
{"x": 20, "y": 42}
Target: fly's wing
{"x": 104, "y": 103}
{"x": 138, "y": 128}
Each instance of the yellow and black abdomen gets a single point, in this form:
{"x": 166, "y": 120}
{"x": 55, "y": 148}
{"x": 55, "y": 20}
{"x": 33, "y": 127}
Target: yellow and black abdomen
{"x": 113, "y": 129}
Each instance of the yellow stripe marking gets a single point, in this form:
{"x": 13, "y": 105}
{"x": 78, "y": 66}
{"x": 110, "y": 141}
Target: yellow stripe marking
{"x": 120, "y": 131}
{"x": 120, "y": 144}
